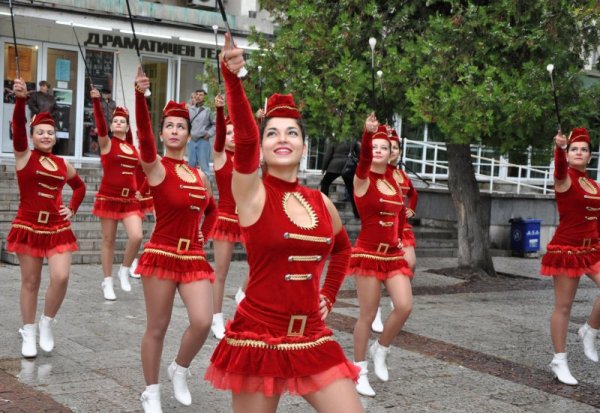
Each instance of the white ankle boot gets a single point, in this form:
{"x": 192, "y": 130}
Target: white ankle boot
{"x": 178, "y": 376}
{"x": 239, "y": 296}
{"x": 363, "y": 387}
{"x": 379, "y": 354}
{"x": 124, "y": 278}
{"x": 151, "y": 399}
{"x": 560, "y": 368}
{"x": 377, "y": 325}
{"x": 218, "y": 327}
{"x": 29, "y": 346}
{"x": 132, "y": 273}
{"x": 108, "y": 289}
{"x": 588, "y": 338}
{"x": 46, "y": 335}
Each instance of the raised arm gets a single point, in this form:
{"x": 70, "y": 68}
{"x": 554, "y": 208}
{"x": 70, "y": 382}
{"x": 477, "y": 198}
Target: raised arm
{"x": 19, "y": 121}
{"x": 361, "y": 177}
{"x": 562, "y": 182}
{"x": 247, "y": 188}
{"x": 103, "y": 138}
{"x": 153, "y": 169}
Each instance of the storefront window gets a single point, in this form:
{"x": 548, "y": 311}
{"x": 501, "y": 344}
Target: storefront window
{"x": 28, "y": 60}
{"x": 157, "y": 71}
{"x": 101, "y": 67}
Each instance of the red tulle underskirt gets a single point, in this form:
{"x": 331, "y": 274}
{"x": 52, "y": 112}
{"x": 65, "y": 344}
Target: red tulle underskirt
{"x": 36, "y": 244}
{"x": 147, "y": 205}
{"x": 176, "y": 268}
{"x": 271, "y": 371}
{"x": 116, "y": 208}
{"x": 408, "y": 237}
{"x": 571, "y": 261}
{"x": 225, "y": 230}
{"x": 382, "y": 269}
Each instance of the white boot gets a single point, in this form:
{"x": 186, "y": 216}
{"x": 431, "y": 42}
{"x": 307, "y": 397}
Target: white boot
{"x": 239, "y": 296}
{"x": 560, "y": 368}
{"x": 151, "y": 399}
{"x": 362, "y": 385}
{"x": 379, "y": 354}
{"x": 29, "y": 346}
{"x": 46, "y": 335}
{"x": 132, "y": 273}
{"x": 588, "y": 338}
{"x": 218, "y": 327}
{"x": 178, "y": 376}
{"x": 124, "y": 278}
{"x": 108, "y": 290}
{"x": 377, "y": 325}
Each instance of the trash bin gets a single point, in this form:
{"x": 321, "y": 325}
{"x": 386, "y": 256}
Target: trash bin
{"x": 525, "y": 235}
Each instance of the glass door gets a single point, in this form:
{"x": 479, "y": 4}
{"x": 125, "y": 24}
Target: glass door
{"x": 158, "y": 71}
{"x": 28, "y": 64}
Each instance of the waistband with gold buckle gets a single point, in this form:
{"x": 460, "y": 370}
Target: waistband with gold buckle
{"x": 294, "y": 320}
{"x": 382, "y": 248}
{"x": 183, "y": 242}
{"x": 43, "y": 217}
{"x": 125, "y": 192}
{"x": 587, "y": 242}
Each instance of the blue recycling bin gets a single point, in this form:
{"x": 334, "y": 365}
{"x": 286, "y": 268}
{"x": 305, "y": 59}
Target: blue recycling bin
{"x": 525, "y": 235}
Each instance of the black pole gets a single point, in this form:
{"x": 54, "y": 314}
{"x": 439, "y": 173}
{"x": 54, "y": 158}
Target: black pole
{"x": 555, "y": 101}
{"x": 121, "y": 79}
{"x": 87, "y": 70}
{"x": 260, "y": 86}
{"x": 135, "y": 43}
{"x": 12, "y": 21}
{"x": 243, "y": 72}
{"x": 374, "y": 100}
{"x": 216, "y": 30}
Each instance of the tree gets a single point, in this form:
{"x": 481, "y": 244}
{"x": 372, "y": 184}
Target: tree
{"x": 474, "y": 68}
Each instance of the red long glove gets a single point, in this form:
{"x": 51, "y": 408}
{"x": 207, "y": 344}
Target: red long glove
{"x": 19, "y": 130}
{"x": 99, "y": 118}
{"x": 247, "y": 141}
{"x": 366, "y": 155}
{"x": 210, "y": 218}
{"x": 221, "y": 131}
{"x": 560, "y": 164}
{"x": 144, "y": 128}
{"x": 78, "y": 192}
{"x": 338, "y": 266}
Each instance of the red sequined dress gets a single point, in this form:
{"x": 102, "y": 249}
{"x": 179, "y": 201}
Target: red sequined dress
{"x": 116, "y": 196}
{"x": 575, "y": 248}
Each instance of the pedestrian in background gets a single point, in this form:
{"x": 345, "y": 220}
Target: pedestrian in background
{"x": 43, "y": 101}
{"x": 340, "y": 161}
{"x": 203, "y": 128}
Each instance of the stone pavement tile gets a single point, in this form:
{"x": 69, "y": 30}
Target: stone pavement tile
{"x": 560, "y": 405}
{"x": 90, "y": 402}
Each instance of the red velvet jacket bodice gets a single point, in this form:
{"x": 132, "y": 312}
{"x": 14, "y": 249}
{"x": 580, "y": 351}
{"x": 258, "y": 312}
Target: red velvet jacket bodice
{"x": 406, "y": 185}
{"x": 178, "y": 205}
{"x": 286, "y": 265}
{"x": 578, "y": 210}
{"x": 223, "y": 178}
{"x": 119, "y": 166}
{"x": 40, "y": 185}
{"x": 380, "y": 214}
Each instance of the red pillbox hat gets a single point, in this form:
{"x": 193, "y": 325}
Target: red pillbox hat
{"x": 42, "y": 118}
{"x": 282, "y": 106}
{"x": 382, "y": 133}
{"x": 173, "y": 108}
{"x": 120, "y": 111}
{"x": 579, "y": 135}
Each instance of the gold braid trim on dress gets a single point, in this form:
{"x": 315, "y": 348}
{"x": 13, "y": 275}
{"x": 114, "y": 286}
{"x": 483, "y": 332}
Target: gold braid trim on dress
{"x": 390, "y": 201}
{"x": 228, "y": 219}
{"x": 309, "y": 238}
{"x": 377, "y": 257}
{"x": 173, "y": 255}
{"x": 283, "y": 346}
{"x": 304, "y": 258}
{"x": 39, "y": 231}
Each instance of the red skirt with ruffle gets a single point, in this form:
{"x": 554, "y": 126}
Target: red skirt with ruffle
{"x": 571, "y": 261}
{"x": 408, "y": 236}
{"x": 40, "y": 241}
{"x": 116, "y": 208}
{"x": 166, "y": 262}
{"x": 253, "y": 358}
{"x": 147, "y": 205}
{"x": 227, "y": 228}
{"x": 367, "y": 263}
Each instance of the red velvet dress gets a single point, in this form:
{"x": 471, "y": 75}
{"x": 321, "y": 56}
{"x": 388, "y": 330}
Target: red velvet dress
{"x": 38, "y": 229}
{"x": 411, "y": 195}
{"x": 116, "y": 196}
{"x": 227, "y": 227}
{"x": 277, "y": 341}
{"x": 146, "y": 201}
{"x": 175, "y": 251}
{"x": 575, "y": 248}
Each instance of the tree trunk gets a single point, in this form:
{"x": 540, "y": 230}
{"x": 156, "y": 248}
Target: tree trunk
{"x": 473, "y": 220}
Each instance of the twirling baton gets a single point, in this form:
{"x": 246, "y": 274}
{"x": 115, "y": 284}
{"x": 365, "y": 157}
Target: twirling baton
{"x": 12, "y": 21}
{"x": 372, "y": 43}
{"x": 216, "y": 30}
{"x": 385, "y": 112}
{"x": 242, "y": 72}
{"x": 147, "y": 92}
{"x": 87, "y": 70}
{"x": 550, "y": 68}
{"x": 121, "y": 78}
{"x": 259, "y": 84}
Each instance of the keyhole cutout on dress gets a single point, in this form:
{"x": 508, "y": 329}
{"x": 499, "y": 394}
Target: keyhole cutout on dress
{"x": 385, "y": 187}
{"x": 299, "y": 211}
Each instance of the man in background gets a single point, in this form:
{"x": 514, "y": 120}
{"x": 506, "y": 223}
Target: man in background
{"x": 203, "y": 128}
{"x": 42, "y": 100}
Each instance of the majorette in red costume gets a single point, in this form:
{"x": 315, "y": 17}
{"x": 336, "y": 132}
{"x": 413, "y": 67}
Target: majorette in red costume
{"x": 116, "y": 197}
{"x": 411, "y": 196}
{"x": 378, "y": 250}
{"x": 175, "y": 250}
{"x": 39, "y": 230}
{"x": 574, "y": 250}
{"x": 277, "y": 341}
{"x": 227, "y": 227}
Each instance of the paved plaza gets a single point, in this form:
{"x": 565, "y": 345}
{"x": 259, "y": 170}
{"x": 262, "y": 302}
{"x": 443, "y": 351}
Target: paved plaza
{"x": 467, "y": 347}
